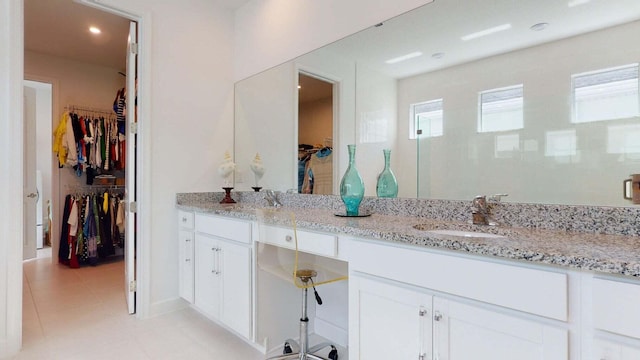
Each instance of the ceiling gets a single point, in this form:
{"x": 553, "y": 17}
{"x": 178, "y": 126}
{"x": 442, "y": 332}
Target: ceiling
{"x": 313, "y": 89}
{"x": 439, "y": 26}
{"x": 61, "y": 28}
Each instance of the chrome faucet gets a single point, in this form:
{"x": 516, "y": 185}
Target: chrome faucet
{"x": 481, "y": 208}
{"x": 272, "y": 198}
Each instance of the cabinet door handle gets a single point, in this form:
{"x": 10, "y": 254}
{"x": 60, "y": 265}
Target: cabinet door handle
{"x": 187, "y": 240}
{"x": 288, "y": 238}
{"x": 187, "y": 260}
{"x": 422, "y": 356}
{"x": 437, "y": 316}
{"x": 184, "y": 219}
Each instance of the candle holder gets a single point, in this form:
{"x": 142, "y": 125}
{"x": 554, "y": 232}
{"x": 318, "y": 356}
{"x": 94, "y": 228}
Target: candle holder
{"x": 227, "y": 197}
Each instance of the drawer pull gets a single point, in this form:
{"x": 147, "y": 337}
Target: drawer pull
{"x": 187, "y": 260}
{"x": 288, "y": 238}
{"x": 184, "y": 219}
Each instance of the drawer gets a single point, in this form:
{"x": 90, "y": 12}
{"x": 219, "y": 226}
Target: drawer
{"x": 185, "y": 219}
{"x": 310, "y": 242}
{"x": 616, "y": 307}
{"x": 535, "y": 291}
{"x": 226, "y": 228}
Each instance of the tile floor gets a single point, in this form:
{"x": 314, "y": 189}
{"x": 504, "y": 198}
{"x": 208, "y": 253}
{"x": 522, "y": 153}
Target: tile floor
{"x": 81, "y": 314}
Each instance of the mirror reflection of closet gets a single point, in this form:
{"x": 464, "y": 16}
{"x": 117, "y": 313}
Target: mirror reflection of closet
{"x": 316, "y": 160}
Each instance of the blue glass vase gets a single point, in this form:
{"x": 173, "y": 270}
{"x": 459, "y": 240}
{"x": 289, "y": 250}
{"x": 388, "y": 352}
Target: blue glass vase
{"x": 351, "y": 185}
{"x": 387, "y": 186}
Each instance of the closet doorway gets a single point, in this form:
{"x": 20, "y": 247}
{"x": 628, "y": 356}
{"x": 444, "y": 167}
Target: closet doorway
{"x": 60, "y": 47}
{"x": 317, "y": 163}
{"x": 38, "y": 102}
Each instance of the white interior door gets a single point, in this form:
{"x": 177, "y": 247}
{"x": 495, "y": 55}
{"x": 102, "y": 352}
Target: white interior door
{"x": 130, "y": 172}
{"x": 30, "y": 190}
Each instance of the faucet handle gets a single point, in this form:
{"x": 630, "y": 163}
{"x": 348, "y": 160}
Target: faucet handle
{"x": 479, "y": 199}
{"x": 497, "y": 197}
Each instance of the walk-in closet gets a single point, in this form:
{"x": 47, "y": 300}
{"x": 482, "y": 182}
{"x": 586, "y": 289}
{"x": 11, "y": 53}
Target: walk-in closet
{"x": 81, "y": 54}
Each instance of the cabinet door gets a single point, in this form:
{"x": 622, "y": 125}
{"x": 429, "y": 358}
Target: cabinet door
{"x": 388, "y": 321}
{"x": 235, "y": 265}
{"x": 607, "y": 350}
{"x": 463, "y": 332}
{"x": 186, "y": 265}
{"x": 207, "y": 284}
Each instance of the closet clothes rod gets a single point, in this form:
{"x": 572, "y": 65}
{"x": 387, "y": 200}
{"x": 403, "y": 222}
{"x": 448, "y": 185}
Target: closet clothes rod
{"x": 73, "y": 108}
{"x": 89, "y": 188}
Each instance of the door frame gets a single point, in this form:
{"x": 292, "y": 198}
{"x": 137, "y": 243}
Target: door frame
{"x": 11, "y": 145}
{"x": 55, "y": 179}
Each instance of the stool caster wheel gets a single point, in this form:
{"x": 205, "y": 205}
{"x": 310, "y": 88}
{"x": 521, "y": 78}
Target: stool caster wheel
{"x": 287, "y": 348}
{"x": 333, "y": 354}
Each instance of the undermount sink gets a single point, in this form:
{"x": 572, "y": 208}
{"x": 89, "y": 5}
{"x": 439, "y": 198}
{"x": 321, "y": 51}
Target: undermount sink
{"x": 469, "y": 231}
{"x": 471, "y": 234}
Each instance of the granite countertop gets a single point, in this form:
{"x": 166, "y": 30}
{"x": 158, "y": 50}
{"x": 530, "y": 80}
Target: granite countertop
{"x": 612, "y": 254}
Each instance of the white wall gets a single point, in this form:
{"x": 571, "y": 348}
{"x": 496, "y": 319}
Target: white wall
{"x": 11, "y": 170}
{"x": 315, "y": 121}
{"x": 79, "y": 84}
{"x": 268, "y": 33}
{"x": 463, "y": 163}
{"x": 376, "y": 123}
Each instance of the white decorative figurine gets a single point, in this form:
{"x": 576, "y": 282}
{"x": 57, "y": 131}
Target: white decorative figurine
{"x": 258, "y": 169}
{"x": 226, "y": 168}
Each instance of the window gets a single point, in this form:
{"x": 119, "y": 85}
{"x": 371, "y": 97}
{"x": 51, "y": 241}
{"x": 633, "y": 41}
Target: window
{"x": 605, "y": 94}
{"x": 501, "y": 109}
{"x": 427, "y": 118}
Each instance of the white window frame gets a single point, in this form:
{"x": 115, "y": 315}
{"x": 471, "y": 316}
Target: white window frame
{"x": 437, "y": 113}
{"x": 517, "y": 102}
{"x": 594, "y": 85}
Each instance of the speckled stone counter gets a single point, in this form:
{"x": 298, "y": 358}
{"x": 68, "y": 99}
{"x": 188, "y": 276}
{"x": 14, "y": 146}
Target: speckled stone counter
{"x": 601, "y": 252}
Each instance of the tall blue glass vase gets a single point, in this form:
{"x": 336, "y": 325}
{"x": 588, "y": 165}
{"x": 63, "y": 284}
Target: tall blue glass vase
{"x": 387, "y": 186}
{"x": 351, "y": 186}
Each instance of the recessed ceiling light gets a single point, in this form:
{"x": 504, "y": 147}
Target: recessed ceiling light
{"x": 577, "y": 2}
{"x": 94, "y": 30}
{"x": 486, "y": 32}
{"x": 438, "y": 55}
{"x": 539, "y": 26}
{"x": 404, "y": 57}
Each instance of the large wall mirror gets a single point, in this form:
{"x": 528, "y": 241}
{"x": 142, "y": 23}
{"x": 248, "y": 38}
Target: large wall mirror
{"x": 535, "y": 98}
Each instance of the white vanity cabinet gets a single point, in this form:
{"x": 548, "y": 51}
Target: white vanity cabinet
{"x": 223, "y": 271}
{"x": 186, "y": 254}
{"x": 616, "y": 319}
{"x": 396, "y": 321}
{"x": 432, "y": 306}
{"x": 388, "y": 321}
{"x": 609, "y": 350}
{"x": 463, "y": 331}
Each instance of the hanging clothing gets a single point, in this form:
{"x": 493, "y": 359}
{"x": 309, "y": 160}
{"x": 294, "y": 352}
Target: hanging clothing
{"x": 63, "y": 250}
{"x": 59, "y": 147}
{"x": 319, "y": 173}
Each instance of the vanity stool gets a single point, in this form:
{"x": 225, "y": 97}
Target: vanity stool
{"x": 304, "y": 276}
